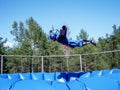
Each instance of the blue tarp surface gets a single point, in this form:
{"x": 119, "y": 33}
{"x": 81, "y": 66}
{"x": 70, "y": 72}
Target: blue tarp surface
{"x": 94, "y": 80}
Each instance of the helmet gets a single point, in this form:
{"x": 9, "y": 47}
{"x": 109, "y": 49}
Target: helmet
{"x": 52, "y": 36}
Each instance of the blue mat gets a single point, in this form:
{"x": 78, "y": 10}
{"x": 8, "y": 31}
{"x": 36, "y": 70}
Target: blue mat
{"x": 94, "y": 80}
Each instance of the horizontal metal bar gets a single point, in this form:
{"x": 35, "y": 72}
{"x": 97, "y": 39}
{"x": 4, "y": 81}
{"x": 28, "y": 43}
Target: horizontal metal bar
{"x": 23, "y": 56}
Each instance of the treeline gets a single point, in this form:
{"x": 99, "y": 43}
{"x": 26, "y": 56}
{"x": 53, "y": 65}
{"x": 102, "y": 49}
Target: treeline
{"x": 31, "y": 40}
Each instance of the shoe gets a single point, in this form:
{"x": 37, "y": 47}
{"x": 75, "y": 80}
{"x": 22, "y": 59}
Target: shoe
{"x": 92, "y": 42}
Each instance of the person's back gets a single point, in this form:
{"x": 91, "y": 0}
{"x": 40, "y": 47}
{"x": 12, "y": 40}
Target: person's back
{"x": 62, "y": 37}
{"x": 63, "y": 31}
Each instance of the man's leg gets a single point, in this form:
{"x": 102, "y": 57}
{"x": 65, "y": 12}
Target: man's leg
{"x": 82, "y": 43}
{"x": 92, "y": 42}
{"x": 72, "y": 43}
{"x": 85, "y": 42}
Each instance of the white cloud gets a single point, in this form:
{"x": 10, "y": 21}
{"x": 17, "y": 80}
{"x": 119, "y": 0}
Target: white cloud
{"x": 8, "y": 44}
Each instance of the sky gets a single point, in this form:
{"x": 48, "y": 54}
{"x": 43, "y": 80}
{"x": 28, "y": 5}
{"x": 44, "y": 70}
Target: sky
{"x": 96, "y": 17}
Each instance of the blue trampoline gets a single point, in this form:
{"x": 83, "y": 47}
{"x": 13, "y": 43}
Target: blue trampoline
{"x": 95, "y": 80}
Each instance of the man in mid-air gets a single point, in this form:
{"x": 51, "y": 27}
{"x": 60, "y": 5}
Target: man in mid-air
{"x": 60, "y": 36}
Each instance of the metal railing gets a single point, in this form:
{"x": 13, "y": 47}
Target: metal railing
{"x": 52, "y": 58}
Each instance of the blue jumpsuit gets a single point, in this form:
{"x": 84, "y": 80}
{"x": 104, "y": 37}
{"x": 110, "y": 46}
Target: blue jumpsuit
{"x": 63, "y": 39}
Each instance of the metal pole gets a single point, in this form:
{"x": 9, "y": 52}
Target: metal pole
{"x": 32, "y": 64}
{"x": 67, "y": 65}
{"x": 21, "y": 65}
{"x": 81, "y": 63}
{"x": 1, "y": 64}
{"x": 42, "y": 64}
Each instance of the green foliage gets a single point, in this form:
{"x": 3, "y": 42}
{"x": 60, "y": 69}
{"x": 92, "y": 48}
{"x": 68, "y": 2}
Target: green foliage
{"x": 31, "y": 40}
{"x": 2, "y": 48}
{"x": 82, "y": 35}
